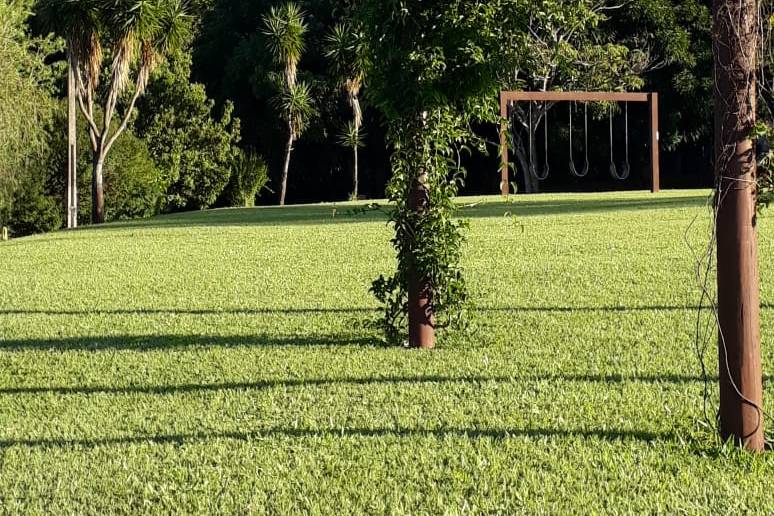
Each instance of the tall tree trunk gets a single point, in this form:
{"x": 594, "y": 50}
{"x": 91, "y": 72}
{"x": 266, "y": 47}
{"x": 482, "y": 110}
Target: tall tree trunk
{"x": 741, "y": 382}
{"x": 71, "y": 188}
{"x": 97, "y": 191}
{"x": 285, "y": 170}
{"x": 355, "y": 175}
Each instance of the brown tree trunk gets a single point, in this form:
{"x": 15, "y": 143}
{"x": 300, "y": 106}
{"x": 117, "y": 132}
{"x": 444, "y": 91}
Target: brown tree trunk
{"x": 97, "y": 191}
{"x": 285, "y": 169}
{"x": 420, "y": 307}
{"x": 741, "y": 382}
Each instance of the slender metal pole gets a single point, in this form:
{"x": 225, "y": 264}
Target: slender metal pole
{"x": 739, "y": 347}
{"x": 71, "y": 185}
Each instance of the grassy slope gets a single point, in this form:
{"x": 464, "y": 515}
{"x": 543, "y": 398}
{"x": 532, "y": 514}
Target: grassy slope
{"x": 213, "y": 361}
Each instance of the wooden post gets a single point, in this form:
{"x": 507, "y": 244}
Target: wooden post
{"x": 655, "y": 169}
{"x": 420, "y": 308}
{"x": 504, "y": 176}
{"x": 71, "y": 184}
{"x": 739, "y": 348}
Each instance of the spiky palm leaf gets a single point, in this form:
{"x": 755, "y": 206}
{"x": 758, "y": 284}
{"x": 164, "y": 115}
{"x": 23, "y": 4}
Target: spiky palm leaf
{"x": 285, "y": 31}
{"x": 79, "y": 23}
{"x": 352, "y": 136}
{"x": 296, "y": 104}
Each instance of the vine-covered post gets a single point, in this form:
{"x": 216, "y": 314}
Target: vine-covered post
{"x": 741, "y": 382}
{"x": 421, "y": 316}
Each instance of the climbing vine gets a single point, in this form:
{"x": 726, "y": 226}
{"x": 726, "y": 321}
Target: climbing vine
{"x": 431, "y": 84}
{"x": 427, "y": 149}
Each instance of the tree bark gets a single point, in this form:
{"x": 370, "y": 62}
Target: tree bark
{"x": 741, "y": 382}
{"x": 285, "y": 170}
{"x": 97, "y": 191}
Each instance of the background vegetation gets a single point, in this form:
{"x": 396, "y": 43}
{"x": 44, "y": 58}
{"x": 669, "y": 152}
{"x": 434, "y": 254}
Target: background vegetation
{"x": 215, "y": 96}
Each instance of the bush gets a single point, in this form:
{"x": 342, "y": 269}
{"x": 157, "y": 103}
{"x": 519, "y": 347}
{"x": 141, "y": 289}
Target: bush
{"x": 194, "y": 150}
{"x": 249, "y": 175}
{"x": 34, "y": 210}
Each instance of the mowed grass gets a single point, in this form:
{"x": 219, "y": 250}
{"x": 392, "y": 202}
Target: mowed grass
{"x": 218, "y": 362}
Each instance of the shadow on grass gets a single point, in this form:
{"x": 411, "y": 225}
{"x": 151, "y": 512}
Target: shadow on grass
{"x": 376, "y": 433}
{"x": 316, "y": 311}
{"x": 190, "y": 311}
{"x": 331, "y": 214}
{"x": 316, "y": 382}
{"x": 163, "y": 342}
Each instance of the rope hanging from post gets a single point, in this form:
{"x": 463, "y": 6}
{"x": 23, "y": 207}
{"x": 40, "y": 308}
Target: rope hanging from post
{"x": 584, "y": 172}
{"x": 540, "y": 176}
{"x": 625, "y": 168}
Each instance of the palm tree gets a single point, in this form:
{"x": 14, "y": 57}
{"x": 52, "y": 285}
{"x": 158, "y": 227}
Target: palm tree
{"x": 346, "y": 51}
{"x": 285, "y": 29}
{"x": 138, "y": 35}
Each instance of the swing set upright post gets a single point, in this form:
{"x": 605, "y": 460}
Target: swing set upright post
{"x": 508, "y": 97}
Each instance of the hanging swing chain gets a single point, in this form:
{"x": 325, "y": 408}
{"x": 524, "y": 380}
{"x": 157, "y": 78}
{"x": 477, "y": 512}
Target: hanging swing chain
{"x": 626, "y": 111}
{"x": 586, "y": 131}
{"x": 612, "y": 156}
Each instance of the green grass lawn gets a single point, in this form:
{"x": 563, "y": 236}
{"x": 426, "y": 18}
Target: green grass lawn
{"x": 217, "y": 361}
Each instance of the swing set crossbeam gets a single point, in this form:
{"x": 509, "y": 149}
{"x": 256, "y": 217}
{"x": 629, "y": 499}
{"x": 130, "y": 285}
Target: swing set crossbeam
{"x": 508, "y": 97}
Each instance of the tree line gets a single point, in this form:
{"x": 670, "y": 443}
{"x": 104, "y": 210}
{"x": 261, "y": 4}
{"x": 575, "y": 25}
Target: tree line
{"x": 192, "y": 104}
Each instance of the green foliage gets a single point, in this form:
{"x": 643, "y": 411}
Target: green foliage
{"x": 431, "y": 85}
{"x": 285, "y": 29}
{"x": 34, "y": 209}
{"x": 218, "y": 368}
{"x": 249, "y": 175}
{"x": 351, "y": 137}
{"x": 134, "y": 186}
{"x": 296, "y": 106}
{"x": 765, "y": 194}
{"x": 193, "y": 149}
{"x": 25, "y": 102}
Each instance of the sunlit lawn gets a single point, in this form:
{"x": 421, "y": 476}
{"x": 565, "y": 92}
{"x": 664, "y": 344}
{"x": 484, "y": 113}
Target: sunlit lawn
{"x": 218, "y": 361}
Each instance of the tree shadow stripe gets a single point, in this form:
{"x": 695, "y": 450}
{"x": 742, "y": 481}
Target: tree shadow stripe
{"x": 366, "y": 433}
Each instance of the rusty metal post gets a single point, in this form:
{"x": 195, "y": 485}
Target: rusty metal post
{"x": 420, "y": 307}
{"x": 655, "y": 169}
{"x": 504, "y": 176}
{"x": 739, "y": 349}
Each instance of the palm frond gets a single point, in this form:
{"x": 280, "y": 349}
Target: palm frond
{"x": 351, "y": 136}
{"x": 285, "y": 30}
{"x": 296, "y": 104}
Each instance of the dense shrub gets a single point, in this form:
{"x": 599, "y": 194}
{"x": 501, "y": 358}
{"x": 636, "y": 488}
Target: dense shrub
{"x": 25, "y": 104}
{"x": 249, "y": 175}
{"x": 34, "y": 209}
{"x": 194, "y": 150}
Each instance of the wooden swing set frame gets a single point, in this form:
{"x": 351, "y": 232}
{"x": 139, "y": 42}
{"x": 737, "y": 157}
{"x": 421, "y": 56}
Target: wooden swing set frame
{"x": 509, "y": 97}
